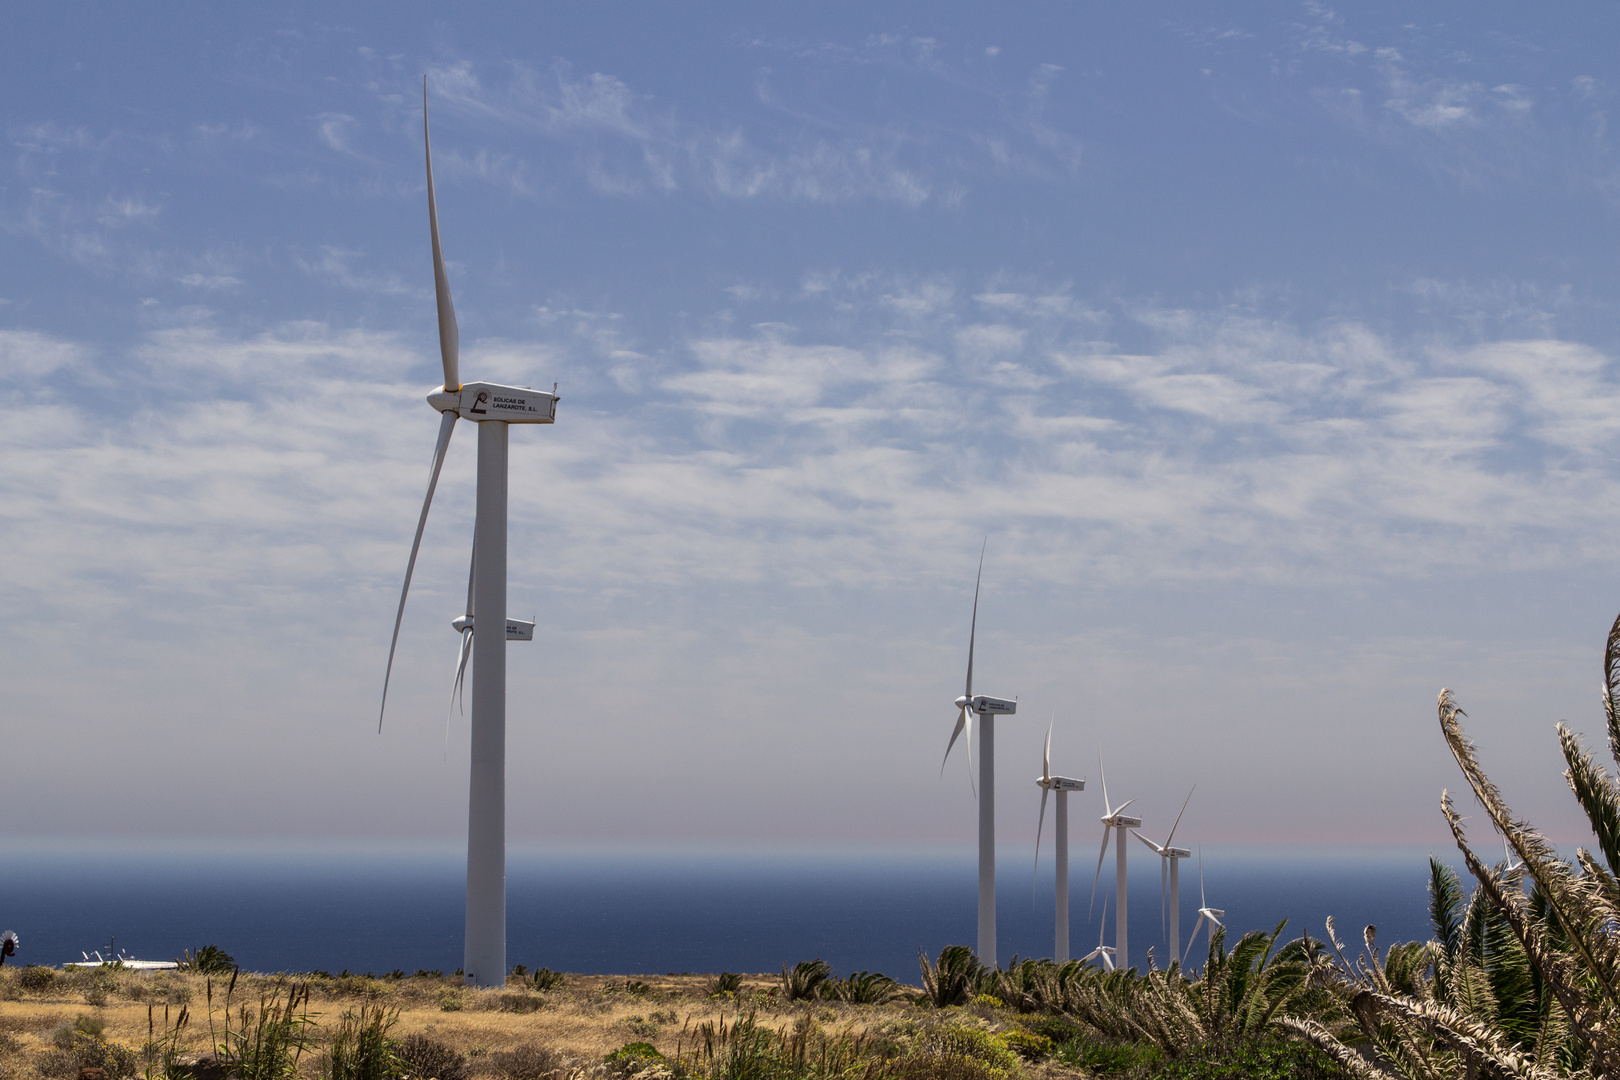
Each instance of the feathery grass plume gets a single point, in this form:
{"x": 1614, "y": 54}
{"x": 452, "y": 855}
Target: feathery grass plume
{"x": 1482, "y": 1050}
{"x": 1558, "y": 968}
{"x": 1568, "y": 895}
{"x": 361, "y": 1048}
{"x": 1346, "y": 1058}
{"x": 1597, "y": 793}
{"x": 1611, "y": 687}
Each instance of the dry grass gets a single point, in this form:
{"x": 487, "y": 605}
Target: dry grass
{"x": 583, "y": 1021}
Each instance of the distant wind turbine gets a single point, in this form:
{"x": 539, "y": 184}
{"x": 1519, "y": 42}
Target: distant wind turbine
{"x": 1062, "y": 785}
{"x": 986, "y": 708}
{"x": 1114, "y": 819}
{"x": 492, "y": 407}
{"x": 1208, "y": 918}
{"x": 1169, "y": 858}
{"x": 1102, "y": 953}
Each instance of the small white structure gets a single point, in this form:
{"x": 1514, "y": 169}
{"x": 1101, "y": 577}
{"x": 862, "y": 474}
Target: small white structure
{"x": 1062, "y": 785}
{"x": 1170, "y": 858}
{"x": 1208, "y": 918}
{"x": 1113, "y": 818}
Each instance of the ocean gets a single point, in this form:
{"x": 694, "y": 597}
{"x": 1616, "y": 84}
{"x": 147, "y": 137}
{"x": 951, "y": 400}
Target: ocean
{"x": 624, "y": 911}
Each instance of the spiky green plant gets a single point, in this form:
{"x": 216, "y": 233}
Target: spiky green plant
{"x": 803, "y": 980}
{"x": 953, "y": 979}
{"x": 1513, "y": 984}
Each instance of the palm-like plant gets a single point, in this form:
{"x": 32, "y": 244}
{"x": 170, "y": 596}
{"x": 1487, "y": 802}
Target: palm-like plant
{"x": 1517, "y": 985}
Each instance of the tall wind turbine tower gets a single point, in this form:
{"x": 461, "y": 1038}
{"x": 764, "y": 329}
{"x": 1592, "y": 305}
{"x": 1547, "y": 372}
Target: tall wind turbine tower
{"x": 1121, "y": 823}
{"x": 1062, "y": 785}
{"x": 493, "y": 408}
{"x": 986, "y": 708}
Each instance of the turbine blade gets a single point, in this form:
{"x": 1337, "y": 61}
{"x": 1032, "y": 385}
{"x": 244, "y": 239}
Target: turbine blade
{"x": 1157, "y": 850}
{"x": 972, "y": 776}
{"x": 973, "y": 627}
{"x": 1040, "y": 824}
{"x": 1199, "y": 925}
{"x": 447, "y": 424}
{"x": 1184, "y": 803}
{"x": 472, "y": 567}
{"x": 1046, "y": 755}
{"x": 458, "y": 688}
{"x": 1123, "y": 805}
{"x": 1108, "y": 807}
{"x": 449, "y": 338}
{"x": 1108, "y": 960}
{"x": 961, "y": 722}
{"x": 463, "y": 654}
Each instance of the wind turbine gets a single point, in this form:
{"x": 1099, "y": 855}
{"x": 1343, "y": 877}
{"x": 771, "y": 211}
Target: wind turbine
{"x": 1169, "y": 859}
{"x": 986, "y": 708}
{"x": 1208, "y": 917}
{"x": 1113, "y": 819}
{"x": 1062, "y": 785}
{"x": 492, "y": 407}
{"x": 1104, "y": 953}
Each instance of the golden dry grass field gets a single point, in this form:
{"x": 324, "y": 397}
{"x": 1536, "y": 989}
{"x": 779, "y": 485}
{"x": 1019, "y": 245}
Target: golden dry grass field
{"x": 52, "y": 1024}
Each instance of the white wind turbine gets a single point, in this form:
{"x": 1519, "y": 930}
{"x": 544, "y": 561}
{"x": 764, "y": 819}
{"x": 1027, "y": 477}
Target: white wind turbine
{"x": 1208, "y": 917}
{"x": 1062, "y": 785}
{"x": 492, "y": 407}
{"x": 1114, "y": 819}
{"x": 1169, "y": 858}
{"x": 1104, "y": 953}
{"x": 986, "y": 709}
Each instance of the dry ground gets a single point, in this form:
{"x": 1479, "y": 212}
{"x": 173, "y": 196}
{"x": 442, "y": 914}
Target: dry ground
{"x": 587, "y": 1018}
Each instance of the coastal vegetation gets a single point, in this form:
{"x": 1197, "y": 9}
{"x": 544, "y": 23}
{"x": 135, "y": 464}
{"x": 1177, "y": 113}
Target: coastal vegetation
{"x": 1521, "y": 979}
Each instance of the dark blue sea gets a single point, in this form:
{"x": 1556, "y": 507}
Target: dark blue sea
{"x": 616, "y": 910}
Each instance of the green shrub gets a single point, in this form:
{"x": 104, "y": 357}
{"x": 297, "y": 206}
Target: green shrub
{"x": 426, "y": 1058}
{"x": 633, "y": 1058}
{"x": 449, "y": 1002}
{"x": 970, "y": 1042}
{"x": 1270, "y": 1059}
{"x": 546, "y": 979}
{"x": 1107, "y": 1056}
{"x": 1027, "y": 1045}
{"x": 36, "y": 977}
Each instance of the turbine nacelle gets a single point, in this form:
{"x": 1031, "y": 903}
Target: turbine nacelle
{"x": 1059, "y": 783}
{"x": 985, "y": 705}
{"x": 1176, "y": 852}
{"x": 492, "y": 401}
{"x": 516, "y": 629}
{"x": 1122, "y": 821}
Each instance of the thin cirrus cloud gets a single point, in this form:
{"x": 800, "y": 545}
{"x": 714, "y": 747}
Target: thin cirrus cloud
{"x": 633, "y": 145}
{"x": 1237, "y": 447}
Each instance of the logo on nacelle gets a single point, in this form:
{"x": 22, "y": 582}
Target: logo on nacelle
{"x": 990, "y": 706}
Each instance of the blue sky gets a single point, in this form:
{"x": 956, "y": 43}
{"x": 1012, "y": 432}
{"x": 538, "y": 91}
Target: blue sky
{"x": 1271, "y": 347}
